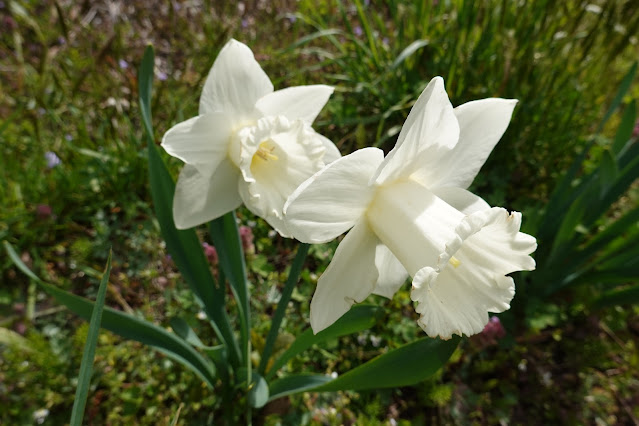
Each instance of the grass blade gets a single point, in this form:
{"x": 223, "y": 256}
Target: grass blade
{"x": 408, "y": 51}
{"x": 626, "y": 296}
{"x": 127, "y": 326}
{"x": 145, "y": 82}
{"x": 86, "y": 367}
{"x": 624, "y": 132}
{"x": 623, "y": 89}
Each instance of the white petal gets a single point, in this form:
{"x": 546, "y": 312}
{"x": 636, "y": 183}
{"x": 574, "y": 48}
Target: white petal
{"x": 482, "y": 123}
{"x": 463, "y": 200}
{"x": 333, "y": 200}
{"x": 235, "y": 83}
{"x": 201, "y": 141}
{"x": 350, "y": 277}
{"x": 300, "y": 102}
{"x": 429, "y": 132}
{"x": 332, "y": 153}
{"x": 412, "y": 222}
{"x": 469, "y": 280}
{"x": 276, "y": 156}
{"x": 391, "y": 272}
{"x": 199, "y": 198}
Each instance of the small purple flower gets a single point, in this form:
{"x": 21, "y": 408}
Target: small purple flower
{"x": 68, "y": 137}
{"x": 635, "y": 131}
{"x": 245, "y": 23}
{"x": 358, "y": 31}
{"x": 161, "y": 75}
{"x": 52, "y": 159}
{"x": 123, "y": 64}
{"x": 291, "y": 18}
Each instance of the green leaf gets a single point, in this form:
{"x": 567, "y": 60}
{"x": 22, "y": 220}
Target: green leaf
{"x": 297, "y": 383}
{"x": 608, "y": 172}
{"x": 617, "y": 188}
{"x": 11, "y": 338}
{"x": 625, "y": 85}
{"x": 187, "y": 254}
{"x": 359, "y": 317}
{"x": 258, "y": 394}
{"x": 88, "y": 356}
{"x": 291, "y": 281}
{"x": 216, "y": 353}
{"x": 626, "y": 296}
{"x": 145, "y": 83}
{"x": 184, "y": 330}
{"x": 322, "y": 33}
{"x": 624, "y": 132}
{"x": 408, "y": 51}
{"x": 605, "y": 237}
{"x": 183, "y": 245}
{"x": 226, "y": 238}
{"x": 127, "y": 326}
{"x": 404, "y": 366}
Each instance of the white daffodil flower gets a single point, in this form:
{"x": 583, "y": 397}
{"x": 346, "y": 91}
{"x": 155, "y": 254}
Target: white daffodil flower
{"x": 411, "y": 214}
{"x": 248, "y": 144}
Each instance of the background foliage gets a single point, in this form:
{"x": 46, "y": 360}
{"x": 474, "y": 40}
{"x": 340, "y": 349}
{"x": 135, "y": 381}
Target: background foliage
{"x": 68, "y": 85}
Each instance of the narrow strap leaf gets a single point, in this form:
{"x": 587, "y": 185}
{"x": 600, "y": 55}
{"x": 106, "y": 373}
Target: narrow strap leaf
{"x": 86, "y": 367}
{"x": 226, "y": 238}
{"x": 127, "y": 326}
{"x": 404, "y": 366}
{"x": 295, "y": 384}
{"x": 183, "y": 245}
{"x": 291, "y": 281}
{"x": 359, "y": 317}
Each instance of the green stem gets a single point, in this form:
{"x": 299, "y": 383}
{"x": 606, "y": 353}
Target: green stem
{"x": 293, "y": 278}
{"x": 226, "y": 238}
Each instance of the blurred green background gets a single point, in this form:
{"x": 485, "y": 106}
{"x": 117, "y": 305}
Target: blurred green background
{"x": 73, "y": 177}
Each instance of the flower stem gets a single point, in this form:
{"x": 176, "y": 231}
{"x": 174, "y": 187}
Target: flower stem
{"x": 293, "y": 277}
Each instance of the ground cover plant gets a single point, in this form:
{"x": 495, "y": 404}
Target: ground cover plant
{"x": 75, "y": 165}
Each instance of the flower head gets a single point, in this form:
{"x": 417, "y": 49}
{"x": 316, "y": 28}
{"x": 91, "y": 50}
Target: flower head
{"x": 411, "y": 214}
{"x": 52, "y": 159}
{"x": 249, "y": 144}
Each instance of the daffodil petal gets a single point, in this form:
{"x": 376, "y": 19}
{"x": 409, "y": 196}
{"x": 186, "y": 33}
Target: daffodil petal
{"x": 430, "y": 131}
{"x": 299, "y": 102}
{"x": 332, "y": 200}
{"x": 276, "y": 156}
{"x": 332, "y": 153}
{"x": 469, "y": 280}
{"x": 482, "y": 123}
{"x": 350, "y": 277}
{"x": 201, "y": 141}
{"x": 391, "y": 272}
{"x": 462, "y": 199}
{"x": 200, "y": 198}
{"x": 235, "y": 83}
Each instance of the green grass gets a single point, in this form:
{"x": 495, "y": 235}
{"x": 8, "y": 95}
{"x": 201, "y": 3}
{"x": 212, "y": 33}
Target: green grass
{"x": 68, "y": 85}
